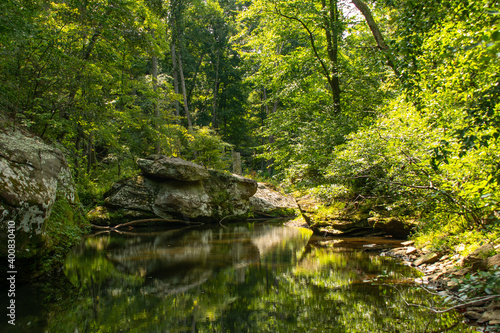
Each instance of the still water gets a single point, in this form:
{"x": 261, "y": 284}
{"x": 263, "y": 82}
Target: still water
{"x": 240, "y": 278}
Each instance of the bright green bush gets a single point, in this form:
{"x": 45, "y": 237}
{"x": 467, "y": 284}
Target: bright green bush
{"x": 208, "y": 149}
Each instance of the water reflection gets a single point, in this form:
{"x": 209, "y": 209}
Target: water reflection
{"x": 247, "y": 278}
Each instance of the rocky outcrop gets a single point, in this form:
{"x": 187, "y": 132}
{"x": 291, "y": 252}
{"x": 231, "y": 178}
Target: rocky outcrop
{"x": 333, "y": 220}
{"x": 268, "y": 202}
{"x": 171, "y": 188}
{"x": 351, "y": 219}
{"x": 393, "y": 226}
{"x": 34, "y": 178}
{"x": 480, "y": 257}
{"x": 163, "y": 167}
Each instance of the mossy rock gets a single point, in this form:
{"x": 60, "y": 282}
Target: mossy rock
{"x": 38, "y": 195}
{"x": 208, "y": 199}
{"x": 341, "y": 217}
{"x": 394, "y": 226}
{"x": 63, "y": 229}
{"x": 103, "y": 216}
{"x": 335, "y": 219}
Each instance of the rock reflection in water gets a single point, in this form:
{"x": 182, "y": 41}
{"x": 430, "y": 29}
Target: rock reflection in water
{"x": 176, "y": 261}
{"x": 246, "y": 278}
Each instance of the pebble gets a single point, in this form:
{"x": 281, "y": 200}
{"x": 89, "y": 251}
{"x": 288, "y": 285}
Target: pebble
{"x": 491, "y": 316}
{"x": 473, "y": 315}
{"x": 411, "y": 250}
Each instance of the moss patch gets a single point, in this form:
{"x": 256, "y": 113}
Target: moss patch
{"x": 64, "y": 228}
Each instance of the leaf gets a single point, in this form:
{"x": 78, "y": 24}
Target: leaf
{"x": 495, "y": 36}
{"x": 493, "y": 12}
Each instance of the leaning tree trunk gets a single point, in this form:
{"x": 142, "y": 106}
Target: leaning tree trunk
{"x": 377, "y": 35}
{"x": 176, "y": 80}
{"x": 184, "y": 95}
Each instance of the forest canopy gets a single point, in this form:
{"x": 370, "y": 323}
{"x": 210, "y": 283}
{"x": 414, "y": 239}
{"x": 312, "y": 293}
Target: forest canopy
{"x": 392, "y": 102}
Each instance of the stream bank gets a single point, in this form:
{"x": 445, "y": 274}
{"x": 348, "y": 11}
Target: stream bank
{"x": 470, "y": 284}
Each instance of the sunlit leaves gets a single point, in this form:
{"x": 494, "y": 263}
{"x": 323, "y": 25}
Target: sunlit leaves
{"x": 440, "y": 144}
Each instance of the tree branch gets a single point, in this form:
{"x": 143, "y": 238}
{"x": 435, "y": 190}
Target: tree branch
{"x": 377, "y": 35}
{"x": 474, "y": 302}
{"x": 312, "y": 41}
{"x": 140, "y": 221}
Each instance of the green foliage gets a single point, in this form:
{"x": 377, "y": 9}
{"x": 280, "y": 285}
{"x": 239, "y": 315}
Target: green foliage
{"x": 206, "y": 148}
{"x": 419, "y": 136}
{"x": 287, "y": 52}
{"x": 93, "y": 185}
{"x": 329, "y": 193}
{"x": 431, "y": 151}
{"x": 479, "y": 284}
{"x": 63, "y": 229}
{"x": 201, "y": 146}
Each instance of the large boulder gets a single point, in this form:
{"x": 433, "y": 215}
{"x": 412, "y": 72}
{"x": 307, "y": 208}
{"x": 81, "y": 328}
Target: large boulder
{"x": 171, "y": 188}
{"x": 35, "y": 181}
{"x": 394, "y": 226}
{"x": 342, "y": 218}
{"x": 268, "y": 202}
{"x": 336, "y": 219}
{"x": 164, "y": 167}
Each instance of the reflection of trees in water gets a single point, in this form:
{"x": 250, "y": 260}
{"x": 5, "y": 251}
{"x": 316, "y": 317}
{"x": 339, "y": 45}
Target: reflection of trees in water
{"x": 325, "y": 292}
{"x": 241, "y": 279}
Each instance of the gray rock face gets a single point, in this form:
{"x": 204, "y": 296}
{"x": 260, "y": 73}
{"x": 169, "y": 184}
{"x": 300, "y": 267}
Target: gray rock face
{"x": 32, "y": 175}
{"x": 269, "y": 202}
{"x": 172, "y": 188}
{"x": 164, "y": 167}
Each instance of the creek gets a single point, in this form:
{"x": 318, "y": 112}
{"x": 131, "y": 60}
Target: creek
{"x": 247, "y": 277}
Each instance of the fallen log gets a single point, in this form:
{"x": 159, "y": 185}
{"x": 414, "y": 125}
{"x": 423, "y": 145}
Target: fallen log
{"x": 131, "y": 223}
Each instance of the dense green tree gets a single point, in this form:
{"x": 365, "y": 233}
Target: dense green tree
{"x": 302, "y": 56}
{"x": 432, "y": 151}
{"x": 386, "y": 99}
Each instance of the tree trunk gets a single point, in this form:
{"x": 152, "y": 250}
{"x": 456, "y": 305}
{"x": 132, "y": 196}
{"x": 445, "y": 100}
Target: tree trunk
{"x": 85, "y": 56}
{"x": 332, "y": 79}
{"x": 216, "y": 89}
{"x": 156, "y": 104}
{"x": 184, "y": 95}
{"x": 275, "y": 106}
{"x": 332, "y": 33}
{"x": 194, "y": 78}
{"x": 91, "y": 158}
{"x": 266, "y": 105}
{"x": 236, "y": 162}
{"x": 78, "y": 146}
{"x": 379, "y": 38}
{"x": 267, "y": 164}
{"x": 154, "y": 74}
{"x": 175, "y": 77}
